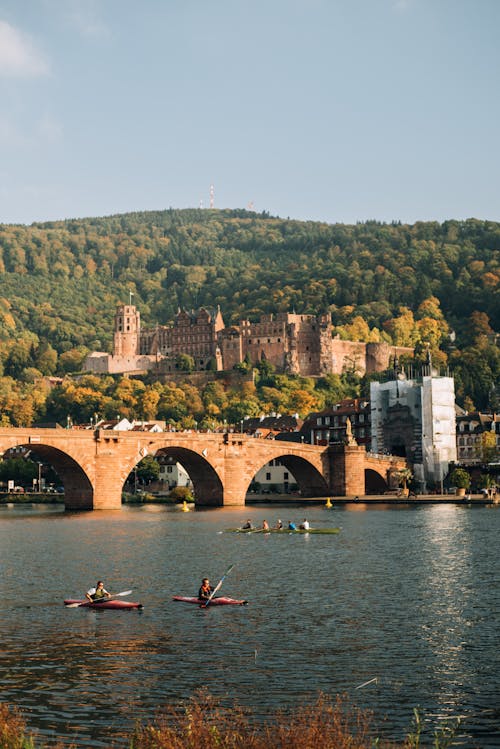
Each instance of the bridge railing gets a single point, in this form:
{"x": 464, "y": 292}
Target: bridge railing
{"x": 385, "y": 457}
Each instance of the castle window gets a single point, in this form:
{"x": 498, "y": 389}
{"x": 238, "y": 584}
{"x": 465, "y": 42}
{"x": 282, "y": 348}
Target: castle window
{"x": 285, "y": 475}
{"x": 268, "y": 477}
{"x": 279, "y": 340}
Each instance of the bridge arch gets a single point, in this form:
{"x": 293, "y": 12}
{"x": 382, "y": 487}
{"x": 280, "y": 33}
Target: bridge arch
{"x": 308, "y": 475}
{"x": 207, "y": 485}
{"x": 375, "y": 482}
{"x": 78, "y": 488}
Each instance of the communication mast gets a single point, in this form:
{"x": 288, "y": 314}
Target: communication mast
{"x": 212, "y": 194}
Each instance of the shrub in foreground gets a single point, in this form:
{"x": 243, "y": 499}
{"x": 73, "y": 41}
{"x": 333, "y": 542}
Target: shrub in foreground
{"x": 203, "y": 723}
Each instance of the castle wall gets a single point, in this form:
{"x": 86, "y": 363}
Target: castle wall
{"x": 345, "y": 354}
{"x": 231, "y": 349}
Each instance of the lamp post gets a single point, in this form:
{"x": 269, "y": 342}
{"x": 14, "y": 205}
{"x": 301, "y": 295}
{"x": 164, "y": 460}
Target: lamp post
{"x": 39, "y": 477}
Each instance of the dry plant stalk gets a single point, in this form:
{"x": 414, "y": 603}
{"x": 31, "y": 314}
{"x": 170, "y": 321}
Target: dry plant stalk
{"x": 204, "y": 724}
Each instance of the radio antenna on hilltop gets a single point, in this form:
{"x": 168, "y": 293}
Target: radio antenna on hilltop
{"x": 212, "y": 194}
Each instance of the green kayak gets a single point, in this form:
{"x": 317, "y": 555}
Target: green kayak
{"x": 284, "y": 531}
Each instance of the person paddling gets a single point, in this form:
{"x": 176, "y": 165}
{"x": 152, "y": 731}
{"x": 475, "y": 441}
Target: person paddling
{"x": 304, "y": 526}
{"x": 98, "y": 593}
{"x": 205, "y": 590}
{"x": 247, "y": 526}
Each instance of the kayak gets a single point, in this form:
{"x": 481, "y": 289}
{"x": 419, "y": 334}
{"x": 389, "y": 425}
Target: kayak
{"x": 284, "y": 531}
{"x": 217, "y": 601}
{"x": 113, "y": 604}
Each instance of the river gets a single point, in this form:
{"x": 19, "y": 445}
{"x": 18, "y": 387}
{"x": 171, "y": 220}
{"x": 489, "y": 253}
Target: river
{"x": 405, "y": 598}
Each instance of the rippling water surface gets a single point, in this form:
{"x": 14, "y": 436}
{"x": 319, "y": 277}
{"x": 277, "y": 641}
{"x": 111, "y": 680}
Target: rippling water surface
{"x": 409, "y": 596}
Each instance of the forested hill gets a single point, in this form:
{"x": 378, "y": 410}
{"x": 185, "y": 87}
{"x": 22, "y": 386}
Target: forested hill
{"x": 60, "y": 281}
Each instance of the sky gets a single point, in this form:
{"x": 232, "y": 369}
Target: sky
{"x": 324, "y": 110}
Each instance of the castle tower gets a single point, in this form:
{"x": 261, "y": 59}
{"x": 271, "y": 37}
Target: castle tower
{"x": 127, "y": 330}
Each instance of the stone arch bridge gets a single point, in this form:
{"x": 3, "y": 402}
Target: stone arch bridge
{"x": 94, "y": 465}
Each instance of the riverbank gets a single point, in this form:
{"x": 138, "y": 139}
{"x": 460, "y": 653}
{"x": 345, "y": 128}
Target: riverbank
{"x": 388, "y": 500}
{"x": 371, "y": 499}
{"x": 30, "y": 498}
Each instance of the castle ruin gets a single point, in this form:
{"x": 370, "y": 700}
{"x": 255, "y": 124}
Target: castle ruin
{"x": 292, "y": 343}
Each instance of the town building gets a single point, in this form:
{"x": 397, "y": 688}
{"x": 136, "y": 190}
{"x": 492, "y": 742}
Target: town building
{"x": 415, "y": 418}
{"x": 330, "y": 425}
{"x": 292, "y": 343}
{"x": 172, "y": 473}
{"x": 478, "y": 438}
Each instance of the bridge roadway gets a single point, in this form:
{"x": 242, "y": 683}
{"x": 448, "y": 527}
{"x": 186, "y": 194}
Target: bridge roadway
{"x": 94, "y": 465}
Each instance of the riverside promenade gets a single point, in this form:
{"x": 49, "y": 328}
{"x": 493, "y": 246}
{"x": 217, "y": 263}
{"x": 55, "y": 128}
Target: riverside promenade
{"x": 374, "y": 499}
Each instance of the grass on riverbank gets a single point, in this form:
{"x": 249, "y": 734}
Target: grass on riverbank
{"x": 204, "y": 724}
{"x": 13, "y": 731}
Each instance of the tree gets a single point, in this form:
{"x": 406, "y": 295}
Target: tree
{"x": 148, "y": 403}
{"x": 184, "y": 363}
{"x": 489, "y": 451}
{"x": 460, "y": 478}
{"x": 148, "y": 470}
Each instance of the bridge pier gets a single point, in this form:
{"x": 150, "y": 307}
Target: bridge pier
{"x": 347, "y": 470}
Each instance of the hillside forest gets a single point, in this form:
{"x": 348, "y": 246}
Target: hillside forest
{"x": 428, "y": 285}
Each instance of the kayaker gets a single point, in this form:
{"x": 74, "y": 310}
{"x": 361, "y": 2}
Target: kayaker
{"x": 291, "y": 526}
{"x": 95, "y": 594}
{"x": 304, "y": 526}
{"x": 205, "y": 590}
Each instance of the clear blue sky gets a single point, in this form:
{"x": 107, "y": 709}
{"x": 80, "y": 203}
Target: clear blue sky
{"x": 333, "y": 110}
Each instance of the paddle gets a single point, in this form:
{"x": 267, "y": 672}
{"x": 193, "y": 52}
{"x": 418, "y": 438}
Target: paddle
{"x": 226, "y": 573}
{"x": 100, "y": 600}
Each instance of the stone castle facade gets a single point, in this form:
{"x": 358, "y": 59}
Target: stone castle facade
{"x": 294, "y": 344}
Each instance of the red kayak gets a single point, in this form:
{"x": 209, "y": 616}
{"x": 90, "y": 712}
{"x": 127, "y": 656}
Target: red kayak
{"x": 113, "y": 604}
{"x": 218, "y": 601}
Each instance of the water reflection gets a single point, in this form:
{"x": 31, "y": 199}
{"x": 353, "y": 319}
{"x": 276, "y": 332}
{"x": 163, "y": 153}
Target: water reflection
{"x": 405, "y": 596}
